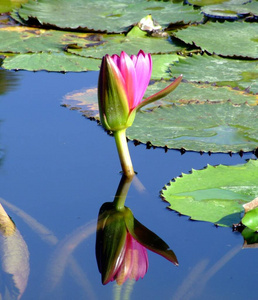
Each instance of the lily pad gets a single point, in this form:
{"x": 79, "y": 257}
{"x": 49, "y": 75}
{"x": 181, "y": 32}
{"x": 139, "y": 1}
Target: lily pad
{"x": 8, "y": 5}
{"x": 205, "y": 127}
{"x": 188, "y": 92}
{"x": 250, "y": 219}
{"x": 215, "y": 69}
{"x": 131, "y": 44}
{"x": 55, "y": 62}
{"x": 106, "y": 16}
{"x": 86, "y": 100}
{"x": 16, "y": 39}
{"x": 240, "y": 38}
{"x": 233, "y": 9}
{"x": 215, "y": 194}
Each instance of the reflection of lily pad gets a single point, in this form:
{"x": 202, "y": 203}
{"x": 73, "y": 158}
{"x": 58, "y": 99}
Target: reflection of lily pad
{"x": 111, "y": 16}
{"x": 204, "y": 127}
{"x": 222, "y": 71}
{"x": 215, "y": 194}
{"x": 240, "y": 38}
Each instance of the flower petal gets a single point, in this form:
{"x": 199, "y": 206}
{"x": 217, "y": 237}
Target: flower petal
{"x": 127, "y": 69}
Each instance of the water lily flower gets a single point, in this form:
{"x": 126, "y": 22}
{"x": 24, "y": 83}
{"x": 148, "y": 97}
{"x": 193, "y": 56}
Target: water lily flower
{"x": 122, "y": 241}
{"x": 122, "y": 83}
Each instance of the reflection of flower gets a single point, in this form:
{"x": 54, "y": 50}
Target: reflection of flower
{"x": 121, "y": 245}
{"x": 122, "y": 83}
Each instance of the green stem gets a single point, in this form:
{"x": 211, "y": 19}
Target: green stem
{"x": 123, "y": 152}
{"x": 121, "y": 193}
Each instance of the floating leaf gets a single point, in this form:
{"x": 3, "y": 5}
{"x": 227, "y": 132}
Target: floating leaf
{"x": 240, "y": 38}
{"x": 204, "y": 127}
{"x": 86, "y": 100}
{"x": 15, "y": 39}
{"x": 233, "y": 9}
{"x": 205, "y": 2}
{"x": 162, "y": 64}
{"x": 56, "y": 62}
{"x": 250, "y": 237}
{"x": 131, "y": 44}
{"x": 215, "y": 194}
{"x": 8, "y": 5}
{"x": 250, "y": 219}
{"x": 215, "y": 69}
{"x": 107, "y": 16}
{"x": 199, "y": 93}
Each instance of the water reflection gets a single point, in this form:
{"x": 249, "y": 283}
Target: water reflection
{"x": 14, "y": 259}
{"x": 122, "y": 241}
{"x": 8, "y": 80}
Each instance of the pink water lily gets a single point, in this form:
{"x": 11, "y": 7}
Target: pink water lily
{"x": 123, "y": 81}
{"x": 135, "y": 75}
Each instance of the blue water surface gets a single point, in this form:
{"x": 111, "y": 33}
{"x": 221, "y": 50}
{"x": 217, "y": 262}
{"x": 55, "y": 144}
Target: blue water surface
{"x": 56, "y": 170}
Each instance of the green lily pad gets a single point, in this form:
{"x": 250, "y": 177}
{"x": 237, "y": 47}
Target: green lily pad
{"x": 233, "y": 9}
{"x": 250, "y": 219}
{"x": 215, "y": 69}
{"x": 240, "y": 38}
{"x": 86, "y": 100}
{"x": 205, "y": 127}
{"x": 107, "y": 16}
{"x": 55, "y": 62}
{"x": 188, "y": 92}
{"x": 16, "y": 39}
{"x": 215, "y": 194}
{"x": 131, "y": 44}
{"x": 162, "y": 65}
{"x": 8, "y": 5}
{"x": 205, "y": 2}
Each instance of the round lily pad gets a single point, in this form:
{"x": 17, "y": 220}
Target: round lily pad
{"x": 107, "y": 16}
{"x": 53, "y": 62}
{"x": 204, "y": 127}
{"x": 214, "y": 194}
{"x": 234, "y": 39}
{"x": 215, "y": 69}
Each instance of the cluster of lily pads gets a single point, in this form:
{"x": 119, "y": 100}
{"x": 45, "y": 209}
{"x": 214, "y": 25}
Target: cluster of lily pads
{"x": 213, "y": 43}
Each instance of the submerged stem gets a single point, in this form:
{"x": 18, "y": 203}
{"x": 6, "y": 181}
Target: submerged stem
{"x": 123, "y": 152}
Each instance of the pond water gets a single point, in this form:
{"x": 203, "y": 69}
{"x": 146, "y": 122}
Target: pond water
{"x": 56, "y": 170}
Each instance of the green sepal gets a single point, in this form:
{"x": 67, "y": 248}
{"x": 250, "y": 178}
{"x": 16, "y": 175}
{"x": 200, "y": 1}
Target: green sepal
{"x": 150, "y": 240}
{"x": 112, "y": 97}
{"x": 161, "y": 93}
{"x": 250, "y": 219}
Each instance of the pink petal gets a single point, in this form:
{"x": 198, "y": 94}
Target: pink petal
{"x": 127, "y": 70}
{"x": 143, "y": 69}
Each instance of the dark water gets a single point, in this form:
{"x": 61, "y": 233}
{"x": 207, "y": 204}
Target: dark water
{"x": 56, "y": 170}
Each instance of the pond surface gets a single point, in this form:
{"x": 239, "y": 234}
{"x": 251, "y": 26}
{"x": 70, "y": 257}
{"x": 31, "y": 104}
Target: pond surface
{"x": 56, "y": 170}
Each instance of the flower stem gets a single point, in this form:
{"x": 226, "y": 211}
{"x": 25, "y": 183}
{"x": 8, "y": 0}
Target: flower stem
{"x": 121, "y": 193}
{"x": 123, "y": 152}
